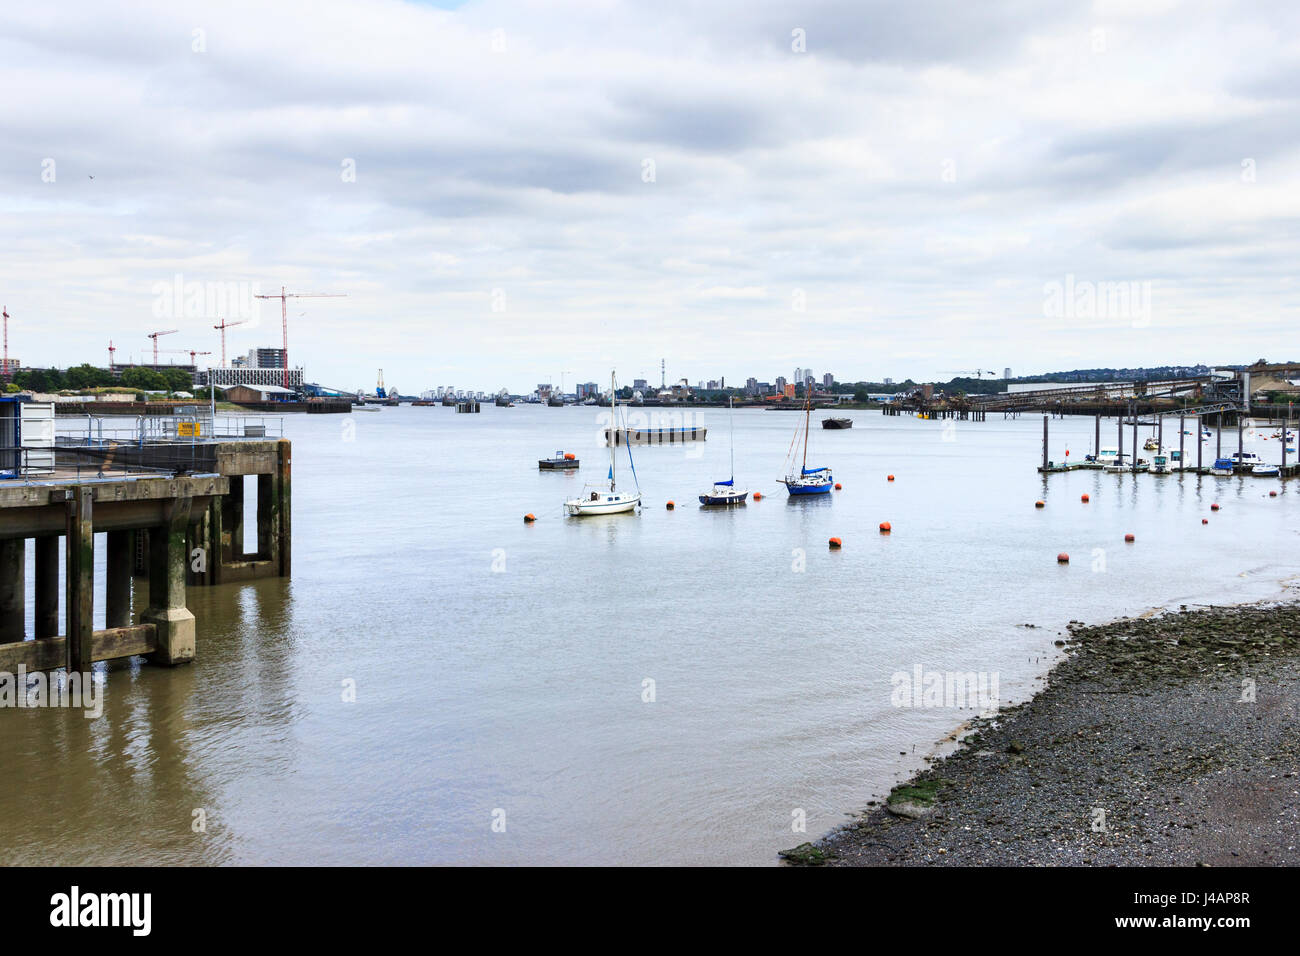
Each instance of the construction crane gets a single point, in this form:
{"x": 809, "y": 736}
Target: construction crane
{"x": 154, "y": 336}
{"x": 190, "y": 352}
{"x": 6, "y": 355}
{"x": 223, "y": 326}
{"x": 284, "y": 298}
{"x": 977, "y": 372}
{"x": 111, "y": 350}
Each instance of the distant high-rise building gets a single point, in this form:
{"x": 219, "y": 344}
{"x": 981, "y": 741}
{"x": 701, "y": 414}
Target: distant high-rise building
{"x": 798, "y": 375}
{"x": 1006, "y": 373}
{"x": 713, "y": 385}
{"x": 639, "y": 383}
{"x": 889, "y": 381}
{"x": 828, "y": 380}
{"x": 751, "y": 386}
{"x": 266, "y": 358}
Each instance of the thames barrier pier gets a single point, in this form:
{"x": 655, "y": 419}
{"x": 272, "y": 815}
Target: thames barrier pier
{"x": 171, "y": 509}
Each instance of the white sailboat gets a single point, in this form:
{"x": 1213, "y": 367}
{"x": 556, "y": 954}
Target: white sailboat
{"x": 596, "y": 499}
{"x": 726, "y": 492}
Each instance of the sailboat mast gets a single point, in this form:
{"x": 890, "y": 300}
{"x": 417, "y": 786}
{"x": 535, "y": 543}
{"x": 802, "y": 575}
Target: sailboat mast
{"x": 807, "y": 413}
{"x": 613, "y": 429}
{"x": 732, "y": 413}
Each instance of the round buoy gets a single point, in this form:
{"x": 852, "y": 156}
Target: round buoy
{"x": 1272, "y": 494}
{"x": 891, "y": 477}
{"x": 1062, "y": 558}
{"x": 1214, "y": 507}
{"x": 671, "y": 506}
{"x": 1130, "y": 538}
{"x": 1205, "y": 521}
{"x": 1084, "y": 498}
{"x": 1040, "y": 503}
{"x": 835, "y": 544}
{"x": 529, "y": 518}
{"x": 758, "y": 496}
{"x": 838, "y": 486}
{"x": 885, "y": 527}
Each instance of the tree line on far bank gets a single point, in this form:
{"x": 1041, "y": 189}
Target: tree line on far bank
{"x": 80, "y": 377}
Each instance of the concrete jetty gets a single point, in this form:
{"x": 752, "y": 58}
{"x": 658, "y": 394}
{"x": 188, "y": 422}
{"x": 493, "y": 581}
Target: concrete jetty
{"x": 173, "y": 512}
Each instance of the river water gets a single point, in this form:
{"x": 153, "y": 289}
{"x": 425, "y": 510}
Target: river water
{"x": 441, "y": 682}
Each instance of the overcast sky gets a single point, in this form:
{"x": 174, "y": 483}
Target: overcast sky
{"x": 511, "y": 191}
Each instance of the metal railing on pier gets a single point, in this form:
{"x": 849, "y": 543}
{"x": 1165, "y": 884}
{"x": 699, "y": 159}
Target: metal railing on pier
{"x": 194, "y": 424}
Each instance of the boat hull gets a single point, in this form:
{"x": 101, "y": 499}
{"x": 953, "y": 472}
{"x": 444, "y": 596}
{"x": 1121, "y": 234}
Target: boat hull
{"x": 733, "y": 499}
{"x": 796, "y": 489}
{"x": 837, "y": 423}
{"x": 551, "y": 464}
{"x": 579, "y": 508}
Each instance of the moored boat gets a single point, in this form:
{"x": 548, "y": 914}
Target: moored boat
{"x": 596, "y": 500}
{"x": 837, "y": 423}
{"x": 726, "y": 492}
{"x": 1223, "y": 467}
{"x": 562, "y": 460}
{"x": 1266, "y": 471}
{"x": 809, "y": 481}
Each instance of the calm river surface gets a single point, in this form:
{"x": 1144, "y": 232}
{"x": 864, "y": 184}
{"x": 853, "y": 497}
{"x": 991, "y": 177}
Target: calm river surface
{"x": 501, "y": 668}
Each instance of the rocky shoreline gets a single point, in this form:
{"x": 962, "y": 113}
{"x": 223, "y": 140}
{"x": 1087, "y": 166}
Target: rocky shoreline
{"x": 1168, "y": 740}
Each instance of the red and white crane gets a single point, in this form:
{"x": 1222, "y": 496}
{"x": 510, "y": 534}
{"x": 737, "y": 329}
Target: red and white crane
{"x": 154, "y": 336}
{"x": 111, "y": 350}
{"x": 284, "y": 298}
{"x": 223, "y": 326}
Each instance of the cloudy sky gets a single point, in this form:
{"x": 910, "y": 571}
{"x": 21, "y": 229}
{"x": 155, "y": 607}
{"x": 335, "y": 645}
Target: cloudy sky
{"x": 512, "y": 191}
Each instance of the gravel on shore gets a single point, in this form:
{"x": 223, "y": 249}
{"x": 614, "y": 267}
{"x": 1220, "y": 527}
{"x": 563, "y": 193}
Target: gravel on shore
{"x": 1169, "y": 740}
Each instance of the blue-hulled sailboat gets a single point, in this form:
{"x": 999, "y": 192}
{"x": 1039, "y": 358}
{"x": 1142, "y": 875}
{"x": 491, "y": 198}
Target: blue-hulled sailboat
{"x": 809, "y": 481}
{"x": 726, "y": 492}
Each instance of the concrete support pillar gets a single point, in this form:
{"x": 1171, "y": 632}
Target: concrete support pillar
{"x": 267, "y": 537}
{"x": 232, "y": 521}
{"x": 13, "y": 590}
{"x": 79, "y": 582}
{"x": 173, "y": 622}
{"x": 121, "y": 561}
{"x": 283, "y": 511}
{"x": 47, "y": 587}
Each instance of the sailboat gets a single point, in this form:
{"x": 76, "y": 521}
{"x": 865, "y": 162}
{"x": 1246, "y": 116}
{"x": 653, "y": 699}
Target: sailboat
{"x": 725, "y": 492}
{"x": 595, "y": 499}
{"x": 809, "y": 481}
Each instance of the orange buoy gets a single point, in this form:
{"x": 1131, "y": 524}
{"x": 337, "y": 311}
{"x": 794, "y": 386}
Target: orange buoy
{"x": 530, "y": 518}
{"x": 1130, "y": 538}
{"x": 1205, "y": 521}
{"x": 570, "y": 456}
{"x": 671, "y": 506}
{"x": 835, "y": 544}
{"x": 1272, "y": 494}
{"x": 891, "y": 477}
{"x": 1214, "y": 507}
{"x": 1062, "y": 558}
{"x": 1040, "y": 503}
{"x": 886, "y": 527}
{"x": 758, "y": 496}
{"x": 1084, "y": 498}
{"x": 838, "y": 486}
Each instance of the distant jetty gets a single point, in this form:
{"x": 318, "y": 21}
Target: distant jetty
{"x": 655, "y": 436}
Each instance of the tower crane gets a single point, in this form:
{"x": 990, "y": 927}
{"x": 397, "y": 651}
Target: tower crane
{"x": 155, "y": 336}
{"x": 223, "y": 326}
{"x": 284, "y": 298}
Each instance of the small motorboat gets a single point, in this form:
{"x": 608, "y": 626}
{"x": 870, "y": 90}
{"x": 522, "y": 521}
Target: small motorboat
{"x": 1246, "y": 458}
{"x": 1151, "y": 445}
{"x": 562, "y": 460}
{"x": 1159, "y": 465}
{"x": 837, "y": 423}
{"x": 1266, "y": 471}
{"x": 1223, "y": 467}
